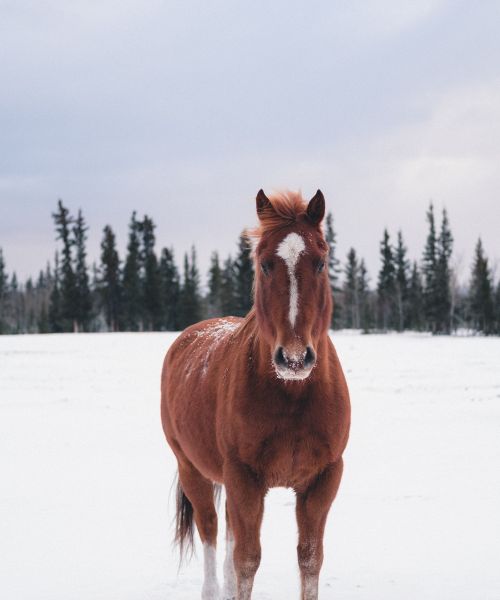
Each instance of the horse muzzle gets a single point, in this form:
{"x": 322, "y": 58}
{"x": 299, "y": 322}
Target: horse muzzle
{"x": 294, "y": 364}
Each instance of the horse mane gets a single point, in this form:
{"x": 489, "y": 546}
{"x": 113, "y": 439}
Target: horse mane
{"x": 286, "y": 208}
{"x": 248, "y": 327}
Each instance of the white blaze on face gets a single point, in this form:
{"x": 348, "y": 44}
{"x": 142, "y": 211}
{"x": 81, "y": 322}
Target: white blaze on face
{"x": 290, "y": 250}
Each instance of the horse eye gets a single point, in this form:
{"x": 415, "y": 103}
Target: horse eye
{"x": 321, "y": 266}
{"x": 266, "y": 268}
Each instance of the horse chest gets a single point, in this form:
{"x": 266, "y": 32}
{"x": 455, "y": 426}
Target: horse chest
{"x": 289, "y": 459}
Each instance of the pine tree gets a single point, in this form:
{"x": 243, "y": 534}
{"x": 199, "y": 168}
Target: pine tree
{"x": 151, "y": 282}
{"x": 214, "y": 287}
{"x": 416, "y": 315}
{"x": 243, "y": 267}
{"x": 83, "y": 305}
{"x": 132, "y": 284}
{"x": 334, "y": 269}
{"x": 55, "y": 316}
{"x": 227, "y": 291}
{"x": 401, "y": 281}
{"x": 67, "y": 279}
{"x": 170, "y": 290}
{"x": 109, "y": 285}
{"x": 351, "y": 291}
{"x": 386, "y": 288}
{"x": 481, "y": 293}
{"x": 443, "y": 277}
{"x": 3, "y": 294}
{"x": 190, "y": 300}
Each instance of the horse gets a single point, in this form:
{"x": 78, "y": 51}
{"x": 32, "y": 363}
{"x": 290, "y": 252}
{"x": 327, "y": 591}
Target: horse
{"x": 260, "y": 402}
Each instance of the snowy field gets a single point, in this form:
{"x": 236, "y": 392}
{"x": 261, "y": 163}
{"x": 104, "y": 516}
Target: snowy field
{"x": 86, "y": 474}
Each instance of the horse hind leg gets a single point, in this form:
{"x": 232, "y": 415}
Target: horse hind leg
{"x": 229, "y": 590}
{"x": 199, "y": 493}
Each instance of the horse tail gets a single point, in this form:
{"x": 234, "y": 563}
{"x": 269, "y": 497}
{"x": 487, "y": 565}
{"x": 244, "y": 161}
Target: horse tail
{"x": 184, "y": 526}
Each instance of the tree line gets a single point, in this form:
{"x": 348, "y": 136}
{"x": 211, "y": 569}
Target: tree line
{"x": 146, "y": 290}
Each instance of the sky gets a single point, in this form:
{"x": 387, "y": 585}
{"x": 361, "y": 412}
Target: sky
{"x": 183, "y": 110}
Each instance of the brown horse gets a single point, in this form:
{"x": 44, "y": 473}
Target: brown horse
{"x": 261, "y": 402}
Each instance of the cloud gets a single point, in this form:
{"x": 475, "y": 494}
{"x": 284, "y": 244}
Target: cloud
{"x": 368, "y": 21}
{"x": 183, "y": 110}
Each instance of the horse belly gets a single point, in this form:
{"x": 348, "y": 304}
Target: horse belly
{"x": 189, "y": 408}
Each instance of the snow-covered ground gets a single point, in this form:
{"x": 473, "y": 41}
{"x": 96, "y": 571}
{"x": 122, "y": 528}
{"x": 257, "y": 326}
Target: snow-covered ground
{"x": 85, "y": 475}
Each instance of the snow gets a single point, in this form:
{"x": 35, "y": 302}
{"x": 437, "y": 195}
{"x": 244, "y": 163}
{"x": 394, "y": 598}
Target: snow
{"x": 85, "y": 503}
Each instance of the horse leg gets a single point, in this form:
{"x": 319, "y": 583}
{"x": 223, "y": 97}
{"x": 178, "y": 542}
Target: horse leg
{"x": 200, "y": 492}
{"x": 245, "y": 503}
{"x": 229, "y": 590}
{"x": 313, "y": 504}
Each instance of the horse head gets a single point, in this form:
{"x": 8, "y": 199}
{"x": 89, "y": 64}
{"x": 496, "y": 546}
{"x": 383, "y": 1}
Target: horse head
{"x": 293, "y": 301}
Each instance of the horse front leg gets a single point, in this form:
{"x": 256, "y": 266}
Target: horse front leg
{"x": 245, "y": 508}
{"x": 313, "y": 504}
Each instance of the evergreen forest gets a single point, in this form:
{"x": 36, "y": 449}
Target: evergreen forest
{"x": 148, "y": 290}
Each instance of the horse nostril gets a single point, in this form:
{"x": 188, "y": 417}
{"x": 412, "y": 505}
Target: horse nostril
{"x": 279, "y": 357}
{"x": 310, "y": 357}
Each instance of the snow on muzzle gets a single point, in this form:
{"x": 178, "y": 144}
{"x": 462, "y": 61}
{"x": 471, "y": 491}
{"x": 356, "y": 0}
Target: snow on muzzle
{"x": 295, "y": 363}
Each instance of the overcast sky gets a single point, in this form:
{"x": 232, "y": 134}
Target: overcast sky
{"x": 183, "y": 110}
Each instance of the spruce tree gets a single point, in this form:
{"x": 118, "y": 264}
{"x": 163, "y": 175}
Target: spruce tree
{"x": 334, "y": 269}
{"x": 364, "y": 297}
{"x": 430, "y": 274}
{"x": 15, "y": 305}
{"x": 497, "y": 309}
{"x": 83, "y": 300}
{"x": 333, "y": 261}
{"x": 43, "y": 323}
{"x": 3, "y": 294}
{"x": 190, "y": 300}
{"x": 132, "y": 284}
{"x": 109, "y": 286}
{"x": 416, "y": 317}
{"x": 67, "y": 279}
{"x": 481, "y": 293}
{"x": 55, "y": 316}
{"x": 227, "y": 291}
{"x": 151, "y": 282}
{"x": 386, "y": 288}
{"x": 443, "y": 277}
{"x": 214, "y": 287}
{"x": 401, "y": 282}
{"x": 351, "y": 291}
{"x": 243, "y": 267}
{"x": 43, "y": 287}
{"x": 29, "y": 301}
{"x": 170, "y": 290}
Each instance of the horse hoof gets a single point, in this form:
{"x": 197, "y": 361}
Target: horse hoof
{"x": 211, "y": 593}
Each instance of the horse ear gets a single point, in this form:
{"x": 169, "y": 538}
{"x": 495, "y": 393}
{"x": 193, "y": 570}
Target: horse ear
{"x": 264, "y": 206}
{"x": 316, "y": 208}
